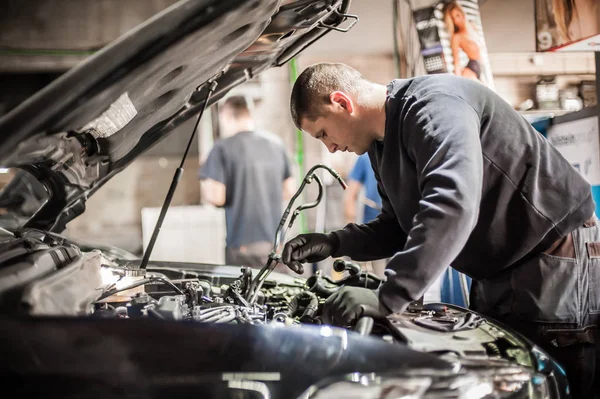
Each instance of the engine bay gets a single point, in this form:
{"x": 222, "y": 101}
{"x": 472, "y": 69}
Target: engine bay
{"x": 45, "y": 274}
{"x": 177, "y": 294}
{"x": 174, "y": 294}
{"x": 58, "y": 297}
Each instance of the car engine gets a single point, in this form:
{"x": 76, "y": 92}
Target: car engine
{"x": 163, "y": 294}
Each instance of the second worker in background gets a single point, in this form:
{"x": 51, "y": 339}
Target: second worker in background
{"x": 248, "y": 173}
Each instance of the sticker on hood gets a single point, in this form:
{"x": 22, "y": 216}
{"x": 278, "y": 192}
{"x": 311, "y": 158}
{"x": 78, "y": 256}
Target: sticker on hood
{"x": 119, "y": 114}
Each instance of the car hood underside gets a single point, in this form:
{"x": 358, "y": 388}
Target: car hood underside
{"x": 94, "y": 120}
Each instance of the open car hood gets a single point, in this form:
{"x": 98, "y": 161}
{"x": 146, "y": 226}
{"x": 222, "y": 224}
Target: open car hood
{"x": 94, "y": 120}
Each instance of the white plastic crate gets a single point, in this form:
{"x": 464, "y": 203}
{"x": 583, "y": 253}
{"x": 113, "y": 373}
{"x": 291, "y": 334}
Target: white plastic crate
{"x": 188, "y": 234}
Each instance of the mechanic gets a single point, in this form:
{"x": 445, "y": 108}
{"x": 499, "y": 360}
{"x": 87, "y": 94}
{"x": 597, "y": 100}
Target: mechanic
{"x": 464, "y": 181}
{"x": 248, "y": 173}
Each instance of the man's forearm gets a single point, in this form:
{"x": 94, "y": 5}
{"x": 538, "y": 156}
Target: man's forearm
{"x": 350, "y": 200}
{"x": 349, "y": 212}
{"x": 213, "y": 192}
{"x": 378, "y": 239}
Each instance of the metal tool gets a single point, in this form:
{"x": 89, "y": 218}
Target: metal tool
{"x": 282, "y": 229}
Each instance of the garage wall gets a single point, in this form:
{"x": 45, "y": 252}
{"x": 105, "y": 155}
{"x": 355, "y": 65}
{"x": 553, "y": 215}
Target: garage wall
{"x": 113, "y": 214}
{"x": 509, "y": 25}
{"x": 62, "y": 33}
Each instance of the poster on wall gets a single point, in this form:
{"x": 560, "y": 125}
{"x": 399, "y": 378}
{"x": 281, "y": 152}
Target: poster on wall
{"x": 452, "y": 41}
{"x": 567, "y": 25}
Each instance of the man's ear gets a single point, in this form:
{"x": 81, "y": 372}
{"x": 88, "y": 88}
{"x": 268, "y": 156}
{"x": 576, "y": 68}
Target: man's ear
{"x": 343, "y": 100}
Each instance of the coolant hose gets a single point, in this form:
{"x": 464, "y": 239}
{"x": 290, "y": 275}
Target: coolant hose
{"x": 321, "y": 286}
{"x": 310, "y": 308}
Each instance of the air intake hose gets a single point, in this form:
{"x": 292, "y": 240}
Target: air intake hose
{"x": 308, "y": 300}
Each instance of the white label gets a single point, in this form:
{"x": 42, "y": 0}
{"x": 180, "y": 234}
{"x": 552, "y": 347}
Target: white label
{"x": 254, "y": 386}
{"x": 119, "y": 114}
{"x": 258, "y": 376}
{"x": 579, "y": 143}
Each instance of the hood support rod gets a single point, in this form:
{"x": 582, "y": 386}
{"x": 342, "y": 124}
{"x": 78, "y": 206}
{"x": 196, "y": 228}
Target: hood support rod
{"x": 178, "y": 173}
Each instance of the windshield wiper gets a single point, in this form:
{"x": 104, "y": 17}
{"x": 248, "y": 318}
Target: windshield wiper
{"x": 163, "y": 212}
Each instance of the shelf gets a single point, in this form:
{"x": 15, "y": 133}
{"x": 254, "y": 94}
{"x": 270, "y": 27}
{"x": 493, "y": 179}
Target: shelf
{"x": 541, "y": 112}
{"x": 527, "y": 64}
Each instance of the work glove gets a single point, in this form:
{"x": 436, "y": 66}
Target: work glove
{"x": 311, "y": 248}
{"x": 349, "y": 304}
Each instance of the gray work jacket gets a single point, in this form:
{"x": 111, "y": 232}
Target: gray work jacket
{"x": 465, "y": 181}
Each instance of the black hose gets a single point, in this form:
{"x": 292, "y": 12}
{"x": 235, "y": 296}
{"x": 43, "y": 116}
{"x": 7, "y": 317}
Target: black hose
{"x": 321, "y": 286}
{"x": 310, "y": 308}
{"x": 313, "y": 305}
{"x": 340, "y": 266}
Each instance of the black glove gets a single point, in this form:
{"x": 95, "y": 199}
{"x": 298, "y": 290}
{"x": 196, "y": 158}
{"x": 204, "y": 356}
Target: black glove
{"x": 350, "y": 304}
{"x": 308, "y": 248}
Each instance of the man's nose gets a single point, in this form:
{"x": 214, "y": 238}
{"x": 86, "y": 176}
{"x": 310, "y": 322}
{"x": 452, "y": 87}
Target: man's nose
{"x": 329, "y": 144}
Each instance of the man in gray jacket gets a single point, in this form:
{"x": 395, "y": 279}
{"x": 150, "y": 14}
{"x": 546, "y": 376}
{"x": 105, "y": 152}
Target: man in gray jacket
{"x": 464, "y": 181}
